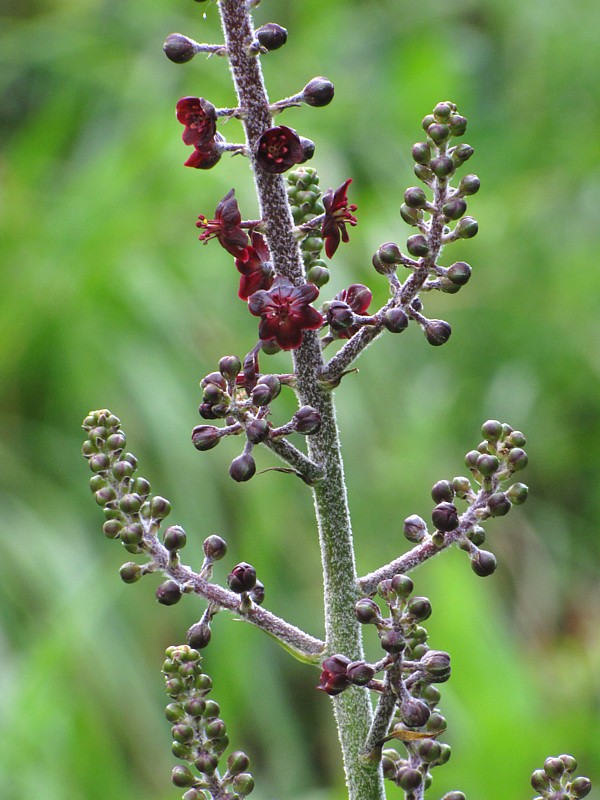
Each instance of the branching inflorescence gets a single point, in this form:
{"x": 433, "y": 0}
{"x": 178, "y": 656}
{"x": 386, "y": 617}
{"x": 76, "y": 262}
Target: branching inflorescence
{"x": 282, "y": 259}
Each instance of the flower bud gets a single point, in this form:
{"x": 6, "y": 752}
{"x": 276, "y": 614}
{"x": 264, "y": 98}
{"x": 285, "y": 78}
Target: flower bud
{"x": 308, "y": 149}
{"x": 517, "y": 493}
{"x": 130, "y": 572}
{"x": 487, "y": 464}
{"x": 417, "y": 245}
{"x": 339, "y": 315}
{"x": 229, "y": 367}
{"x": 466, "y": 228}
{"x": 307, "y": 420}
{"x": 483, "y": 563}
{"x": 459, "y": 273}
{"x": 461, "y": 153}
{"x": 390, "y": 253}
{"x": 392, "y": 641}
{"x": 367, "y": 611}
{"x": 257, "y": 595}
{"x": 469, "y": 184}
{"x": 443, "y": 110}
{"x": 421, "y": 152}
{"x": 179, "y": 49}
{"x": 437, "y": 665}
{"x": 409, "y": 779}
{"x": 581, "y": 787}
{"x": 438, "y": 132}
{"x": 517, "y": 459}
{"x": 261, "y": 395}
{"x": 457, "y": 124}
{"x": 415, "y": 197}
{"x": 243, "y": 784}
{"x": 182, "y": 776}
{"x": 360, "y": 673}
{"x": 437, "y": 332}
{"x": 159, "y": 507}
{"x": 242, "y": 468}
{"x": 174, "y": 538}
{"x": 318, "y": 275}
{"x": 271, "y": 36}
{"x": 445, "y": 517}
{"x": 498, "y": 504}
{"x": 454, "y": 208}
{"x": 442, "y": 491}
{"x": 442, "y": 166}
{"x": 237, "y": 762}
{"x": 198, "y": 636}
{"x": 242, "y": 578}
{"x": 414, "y": 713}
{"x": 402, "y": 585}
{"x": 168, "y": 593}
{"x": 415, "y": 528}
{"x": 318, "y": 92}
{"x": 257, "y": 430}
{"x": 395, "y": 320}
{"x": 419, "y": 608}
{"x": 214, "y": 547}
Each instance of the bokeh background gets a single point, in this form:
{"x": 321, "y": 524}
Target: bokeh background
{"x": 108, "y": 300}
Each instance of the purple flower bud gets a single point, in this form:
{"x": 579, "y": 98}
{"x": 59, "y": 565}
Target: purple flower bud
{"x": 318, "y": 92}
{"x": 242, "y": 578}
{"x": 205, "y": 437}
{"x": 214, "y": 547}
{"x": 242, "y": 468}
{"x": 271, "y": 36}
{"x": 307, "y": 420}
{"x": 445, "y": 517}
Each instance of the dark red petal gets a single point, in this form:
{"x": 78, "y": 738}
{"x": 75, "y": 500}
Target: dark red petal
{"x": 258, "y": 301}
{"x": 288, "y": 335}
{"x": 311, "y": 319}
{"x": 252, "y": 282}
{"x": 307, "y": 292}
{"x": 331, "y": 243}
{"x": 184, "y": 107}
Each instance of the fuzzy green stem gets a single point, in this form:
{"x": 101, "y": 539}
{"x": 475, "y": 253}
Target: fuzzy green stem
{"x": 352, "y": 708}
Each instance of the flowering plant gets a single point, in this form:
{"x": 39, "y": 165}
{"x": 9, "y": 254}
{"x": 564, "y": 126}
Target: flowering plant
{"x": 388, "y": 710}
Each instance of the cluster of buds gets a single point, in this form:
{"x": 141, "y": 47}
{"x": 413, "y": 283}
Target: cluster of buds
{"x": 199, "y": 735}
{"x": 556, "y": 781}
{"x": 492, "y": 464}
{"x": 243, "y": 397}
{"x": 132, "y": 514}
{"x": 408, "y": 691}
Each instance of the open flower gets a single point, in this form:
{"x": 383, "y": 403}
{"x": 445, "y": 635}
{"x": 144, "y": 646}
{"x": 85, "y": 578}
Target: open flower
{"x": 279, "y": 149}
{"x": 334, "y": 678}
{"x": 199, "y": 118}
{"x": 256, "y": 268}
{"x": 226, "y": 227}
{"x": 337, "y": 214}
{"x": 285, "y": 312}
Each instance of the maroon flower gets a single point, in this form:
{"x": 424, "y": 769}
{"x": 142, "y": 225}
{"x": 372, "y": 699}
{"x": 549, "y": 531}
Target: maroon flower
{"x": 204, "y": 157}
{"x": 256, "y": 269}
{"x": 279, "y": 149}
{"x": 200, "y": 120}
{"x": 337, "y": 214}
{"x": 285, "y": 312}
{"x": 358, "y": 297}
{"x": 226, "y": 227}
{"x": 334, "y": 677}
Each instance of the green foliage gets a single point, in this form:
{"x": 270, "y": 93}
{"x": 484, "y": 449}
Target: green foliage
{"x": 105, "y": 303}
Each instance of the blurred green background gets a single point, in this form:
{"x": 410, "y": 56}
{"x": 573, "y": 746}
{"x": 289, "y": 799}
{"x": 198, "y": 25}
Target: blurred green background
{"x": 109, "y": 300}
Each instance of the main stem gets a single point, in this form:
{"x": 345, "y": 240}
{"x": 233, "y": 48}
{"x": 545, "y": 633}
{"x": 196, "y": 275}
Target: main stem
{"x": 352, "y": 708}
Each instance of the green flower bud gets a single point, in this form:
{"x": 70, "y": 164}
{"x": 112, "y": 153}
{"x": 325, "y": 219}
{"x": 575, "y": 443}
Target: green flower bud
{"x": 159, "y": 508}
{"x": 182, "y": 776}
{"x": 517, "y": 459}
{"x": 412, "y": 216}
{"x": 174, "y": 712}
{"x": 442, "y": 166}
{"x": 469, "y": 184}
{"x": 581, "y": 787}
{"x": 419, "y": 608}
{"x": 229, "y": 367}
{"x": 454, "y": 208}
{"x": 392, "y": 641}
{"x": 206, "y": 763}
{"x": 130, "y": 572}
{"x": 540, "y": 780}
{"x": 554, "y": 768}
{"x": 417, "y": 245}
{"x": 436, "y": 723}
{"x": 423, "y": 173}
{"x": 141, "y": 486}
{"x": 415, "y": 197}
{"x": 402, "y": 585}
{"x": 483, "y": 563}
{"x": 427, "y": 120}
{"x": 390, "y": 253}
{"x": 237, "y": 762}
{"x": 112, "y": 528}
{"x": 243, "y": 784}
{"x": 367, "y": 611}
{"x": 429, "y": 750}
{"x": 195, "y": 706}
{"x": 99, "y": 462}
{"x": 421, "y": 152}
{"x": 438, "y": 132}
{"x": 498, "y": 504}
{"x": 466, "y": 228}
{"x": 211, "y": 710}
{"x": 215, "y": 729}
{"x": 569, "y": 762}
{"x": 409, "y": 779}
{"x": 318, "y": 275}
{"x": 174, "y": 538}
{"x": 459, "y": 273}
{"x": 487, "y": 464}
{"x": 461, "y": 486}
{"x": 476, "y": 535}
{"x": 132, "y": 534}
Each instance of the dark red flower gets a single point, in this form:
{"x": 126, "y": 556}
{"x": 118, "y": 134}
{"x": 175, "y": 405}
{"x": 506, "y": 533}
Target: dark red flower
{"x": 226, "y": 227}
{"x": 199, "y": 118}
{"x": 358, "y": 297}
{"x": 256, "y": 269}
{"x": 204, "y": 157}
{"x": 285, "y": 312}
{"x": 337, "y": 214}
{"x": 279, "y": 149}
{"x": 334, "y": 678}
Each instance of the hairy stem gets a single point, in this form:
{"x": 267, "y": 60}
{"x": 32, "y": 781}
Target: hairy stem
{"x": 352, "y": 709}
